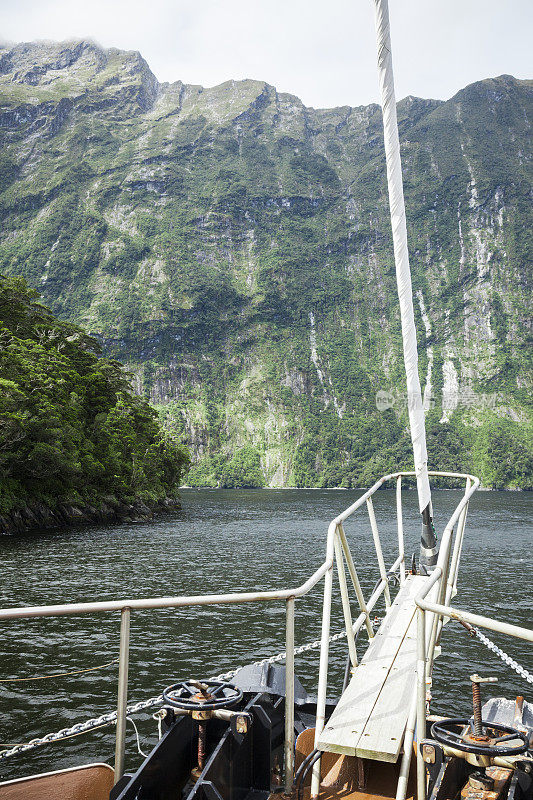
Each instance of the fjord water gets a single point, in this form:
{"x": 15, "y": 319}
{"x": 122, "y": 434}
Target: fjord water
{"x": 221, "y": 541}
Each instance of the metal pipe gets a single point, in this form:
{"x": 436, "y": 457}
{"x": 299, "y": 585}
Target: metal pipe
{"x": 414, "y": 707}
{"x": 452, "y": 522}
{"x": 404, "y": 474}
{"x": 421, "y": 702}
{"x": 345, "y": 602}
{"x": 289, "y": 695}
{"x": 401, "y": 787}
{"x": 374, "y": 597}
{"x": 71, "y": 609}
{"x": 443, "y": 593}
{"x": 122, "y": 700}
{"x": 442, "y": 570}
{"x": 355, "y": 580}
{"x": 458, "y": 547}
{"x": 475, "y": 619}
{"x": 399, "y": 519}
{"x": 68, "y": 609}
{"x": 324, "y": 653}
{"x": 379, "y": 553}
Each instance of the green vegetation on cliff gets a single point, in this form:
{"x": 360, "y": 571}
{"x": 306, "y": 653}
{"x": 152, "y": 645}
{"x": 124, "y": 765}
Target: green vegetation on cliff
{"x": 233, "y": 248}
{"x": 71, "y": 431}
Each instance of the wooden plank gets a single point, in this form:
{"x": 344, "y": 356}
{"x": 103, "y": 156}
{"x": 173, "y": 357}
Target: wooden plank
{"x": 383, "y": 733}
{"x": 348, "y": 721}
{"x": 365, "y": 723}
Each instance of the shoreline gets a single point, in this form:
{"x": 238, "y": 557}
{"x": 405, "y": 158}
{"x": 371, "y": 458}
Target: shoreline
{"x": 39, "y": 516}
{"x": 336, "y": 489}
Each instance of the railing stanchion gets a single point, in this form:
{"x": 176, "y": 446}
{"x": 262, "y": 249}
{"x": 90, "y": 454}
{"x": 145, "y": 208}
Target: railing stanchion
{"x": 443, "y": 565}
{"x": 123, "y": 664}
{"x": 421, "y": 703}
{"x": 289, "y": 696}
{"x": 399, "y": 519}
{"x": 324, "y": 655}
{"x": 345, "y": 602}
{"x": 458, "y": 547}
{"x": 401, "y": 788}
{"x": 379, "y": 552}
{"x": 355, "y": 581}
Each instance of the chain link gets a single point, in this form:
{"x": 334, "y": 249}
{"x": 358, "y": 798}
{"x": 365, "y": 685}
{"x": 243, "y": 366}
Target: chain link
{"x": 151, "y": 702}
{"x": 281, "y": 656}
{"x": 504, "y": 657}
{"x": 143, "y": 705}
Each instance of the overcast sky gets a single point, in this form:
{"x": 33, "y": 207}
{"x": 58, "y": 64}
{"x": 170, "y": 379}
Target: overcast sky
{"x": 321, "y": 51}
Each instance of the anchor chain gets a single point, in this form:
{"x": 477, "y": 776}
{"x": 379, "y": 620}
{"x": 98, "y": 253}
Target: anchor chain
{"x": 111, "y": 718}
{"x": 527, "y": 676}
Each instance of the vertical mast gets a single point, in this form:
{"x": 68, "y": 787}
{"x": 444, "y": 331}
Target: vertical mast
{"x": 428, "y": 548}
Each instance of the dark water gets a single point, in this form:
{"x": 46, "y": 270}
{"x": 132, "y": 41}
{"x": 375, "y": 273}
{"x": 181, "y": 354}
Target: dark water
{"x": 222, "y": 541}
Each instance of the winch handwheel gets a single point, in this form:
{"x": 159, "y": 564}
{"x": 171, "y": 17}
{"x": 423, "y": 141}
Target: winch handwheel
{"x": 490, "y": 743}
{"x": 205, "y": 695}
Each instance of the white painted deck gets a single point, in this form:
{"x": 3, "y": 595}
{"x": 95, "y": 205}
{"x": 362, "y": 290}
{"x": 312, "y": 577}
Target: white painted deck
{"x": 371, "y": 716}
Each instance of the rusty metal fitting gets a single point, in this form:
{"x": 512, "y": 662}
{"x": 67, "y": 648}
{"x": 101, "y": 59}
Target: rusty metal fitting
{"x": 480, "y": 782}
{"x": 200, "y": 715}
{"x": 476, "y": 702}
{"x": 475, "y": 678}
{"x": 466, "y": 625}
{"x": 201, "y": 697}
{"x": 241, "y": 724}
{"x": 428, "y": 753}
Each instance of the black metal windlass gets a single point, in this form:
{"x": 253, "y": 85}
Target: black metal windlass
{"x": 429, "y": 549}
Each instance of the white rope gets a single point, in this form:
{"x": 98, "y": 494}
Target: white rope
{"x": 401, "y": 253}
{"x": 144, "y": 755}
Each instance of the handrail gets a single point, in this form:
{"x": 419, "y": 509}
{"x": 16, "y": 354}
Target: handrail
{"x": 425, "y": 655}
{"x": 441, "y": 573}
{"x": 68, "y": 609}
{"x": 336, "y": 549}
{"x": 127, "y": 605}
{"x": 401, "y": 474}
{"x": 516, "y": 631}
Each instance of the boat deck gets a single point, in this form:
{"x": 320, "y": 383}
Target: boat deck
{"x": 371, "y": 716}
{"x": 349, "y": 778}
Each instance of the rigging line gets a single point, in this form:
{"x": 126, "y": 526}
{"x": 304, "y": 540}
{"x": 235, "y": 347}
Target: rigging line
{"x": 58, "y": 674}
{"x": 144, "y": 755}
{"x": 62, "y": 739}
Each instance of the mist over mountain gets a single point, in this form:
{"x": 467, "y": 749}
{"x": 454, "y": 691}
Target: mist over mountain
{"x": 233, "y": 247}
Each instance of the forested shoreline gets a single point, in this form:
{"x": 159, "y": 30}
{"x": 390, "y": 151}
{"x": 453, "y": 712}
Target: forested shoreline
{"x": 76, "y": 445}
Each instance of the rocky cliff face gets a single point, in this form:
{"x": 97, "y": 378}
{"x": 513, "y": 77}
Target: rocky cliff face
{"x": 233, "y": 247}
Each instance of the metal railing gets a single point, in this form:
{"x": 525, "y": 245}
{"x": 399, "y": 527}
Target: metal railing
{"x": 337, "y": 552}
{"x": 128, "y": 605}
{"x": 446, "y": 577}
{"x": 425, "y": 655}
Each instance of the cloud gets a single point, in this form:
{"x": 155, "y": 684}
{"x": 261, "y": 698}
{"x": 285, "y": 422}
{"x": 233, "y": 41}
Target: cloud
{"x": 322, "y": 52}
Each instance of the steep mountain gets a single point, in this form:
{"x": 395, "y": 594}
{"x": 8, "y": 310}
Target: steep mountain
{"x": 233, "y": 248}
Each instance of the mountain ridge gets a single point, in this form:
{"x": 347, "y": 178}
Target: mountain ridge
{"x": 233, "y": 247}
{"x": 70, "y": 50}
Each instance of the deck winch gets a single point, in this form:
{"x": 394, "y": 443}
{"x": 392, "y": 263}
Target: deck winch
{"x": 202, "y": 701}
